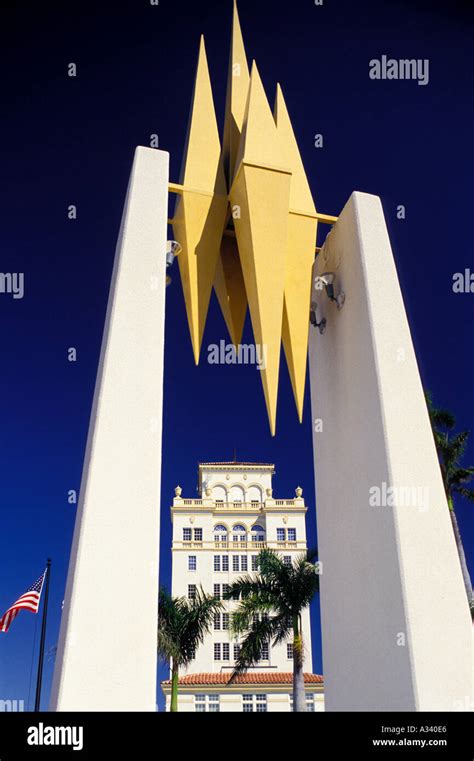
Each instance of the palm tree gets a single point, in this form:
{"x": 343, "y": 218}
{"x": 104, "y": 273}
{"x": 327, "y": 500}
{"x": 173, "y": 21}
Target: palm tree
{"x": 270, "y": 608}
{"x": 182, "y": 626}
{"x": 451, "y": 448}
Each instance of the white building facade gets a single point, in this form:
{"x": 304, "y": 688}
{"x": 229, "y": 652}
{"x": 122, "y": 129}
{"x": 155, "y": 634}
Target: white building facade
{"x": 216, "y": 539}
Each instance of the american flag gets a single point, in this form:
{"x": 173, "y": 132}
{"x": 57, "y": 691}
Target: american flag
{"x": 28, "y": 601}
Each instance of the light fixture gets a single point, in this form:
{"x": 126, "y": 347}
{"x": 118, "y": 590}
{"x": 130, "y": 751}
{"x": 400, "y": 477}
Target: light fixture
{"x": 314, "y": 320}
{"x": 327, "y": 280}
{"x": 173, "y": 249}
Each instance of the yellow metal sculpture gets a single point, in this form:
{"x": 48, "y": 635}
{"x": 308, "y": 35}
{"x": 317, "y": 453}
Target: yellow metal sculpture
{"x": 201, "y": 208}
{"x": 247, "y": 222}
{"x": 302, "y": 230}
{"x": 229, "y": 283}
{"x": 260, "y": 201}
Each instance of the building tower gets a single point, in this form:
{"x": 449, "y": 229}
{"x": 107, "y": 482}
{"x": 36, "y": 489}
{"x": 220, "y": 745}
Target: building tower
{"x": 217, "y": 538}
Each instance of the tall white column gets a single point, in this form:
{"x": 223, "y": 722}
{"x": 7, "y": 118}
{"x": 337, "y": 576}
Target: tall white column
{"x": 397, "y": 633}
{"x": 106, "y": 658}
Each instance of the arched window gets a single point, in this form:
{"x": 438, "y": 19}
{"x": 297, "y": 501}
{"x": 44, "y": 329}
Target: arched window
{"x": 254, "y": 494}
{"x": 219, "y": 494}
{"x": 236, "y": 495}
{"x": 258, "y": 534}
{"x": 239, "y": 533}
{"x": 220, "y": 535}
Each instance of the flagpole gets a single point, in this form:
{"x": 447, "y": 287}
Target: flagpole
{"x": 43, "y": 637}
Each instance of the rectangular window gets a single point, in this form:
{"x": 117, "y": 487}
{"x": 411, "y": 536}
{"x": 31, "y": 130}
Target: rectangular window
{"x": 187, "y": 534}
{"x": 254, "y": 703}
{"x": 217, "y": 562}
{"x": 192, "y": 653}
{"x": 217, "y": 621}
{"x": 280, "y": 534}
{"x": 254, "y": 562}
{"x": 192, "y": 563}
{"x": 265, "y": 652}
{"x": 289, "y": 651}
{"x": 192, "y": 589}
{"x": 225, "y": 588}
{"x": 198, "y": 534}
{"x": 225, "y": 620}
{"x": 292, "y": 535}
{"x": 206, "y": 703}
{"x": 200, "y": 703}
{"x": 235, "y": 562}
{"x": 243, "y": 563}
{"x": 217, "y": 651}
{"x": 225, "y": 562}
{"x": 236, "y": 651}
{"x": 226, "y": 651}
{"x": 287, "y": 560}
{"x": 217, "y": 591}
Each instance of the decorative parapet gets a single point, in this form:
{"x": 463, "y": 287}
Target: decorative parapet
{"x": 220, "y": 506}
{"x": 299, "y": 545}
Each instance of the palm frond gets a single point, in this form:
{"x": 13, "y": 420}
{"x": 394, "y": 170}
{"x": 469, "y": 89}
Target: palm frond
{"x": 244, "y": 586}
{"x": 312, "y": 555}
{"x": 170, "y": 619}
{"x": 440, "y": 418}
{"x": 183, "y": 624}
{"x": 250, "y": 606}
{"x": 251, "y": 647}
{"x": 460, "y": 476}
{"x": 455, "y": 448}
{"x": 305, "y": 584}
{"x": 198, "y": 621}
{"x": 279, "y": 590}
{"x": 466, "y": 493}
{"x": 282, "y": 628}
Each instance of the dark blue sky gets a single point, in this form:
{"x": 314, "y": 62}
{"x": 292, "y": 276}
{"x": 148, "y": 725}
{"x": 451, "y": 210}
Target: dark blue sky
{"x": 71, "y": 141}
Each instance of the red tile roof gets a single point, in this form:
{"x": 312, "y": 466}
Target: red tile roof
{"x": 249, "y": 678}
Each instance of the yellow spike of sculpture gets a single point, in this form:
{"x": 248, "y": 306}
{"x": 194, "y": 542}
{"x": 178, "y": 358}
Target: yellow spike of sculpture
{"x": 299, "y": 258}
{"x": 228, "y": 284}
{"x": 201, "y": 208}
{"x": 260, "y": 200}
{"x": 230, "y": 289}
{"x": 238, "y": 80}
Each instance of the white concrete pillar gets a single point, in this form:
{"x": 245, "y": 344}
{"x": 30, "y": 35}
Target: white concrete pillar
{"x": 106, "y": 658}
{"x": 397, "y": 633}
